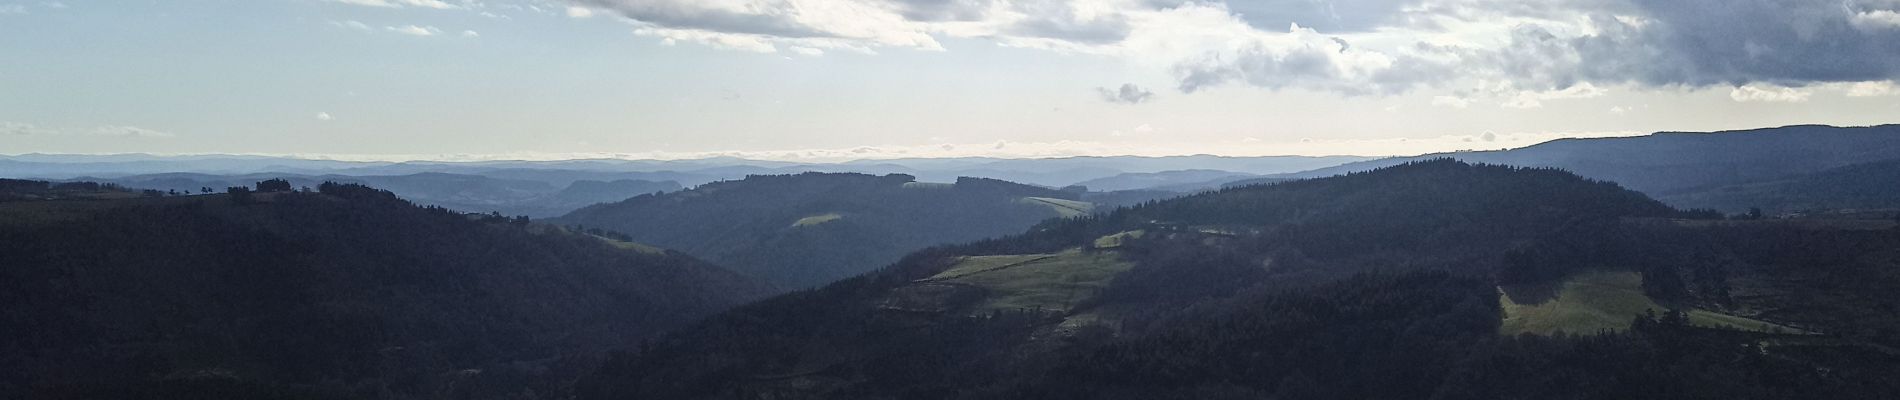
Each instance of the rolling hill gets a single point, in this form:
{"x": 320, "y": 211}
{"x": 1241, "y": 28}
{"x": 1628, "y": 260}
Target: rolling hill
{"x": 808, "y": 229}
{"x": 1664, "y": 163}
{"x": 536, "y": 194}
{"x": 348, "y": 292}
{"x": 1381, "y": 284}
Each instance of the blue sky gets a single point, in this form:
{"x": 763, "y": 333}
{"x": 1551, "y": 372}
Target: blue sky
{"x": 832, "y": 79}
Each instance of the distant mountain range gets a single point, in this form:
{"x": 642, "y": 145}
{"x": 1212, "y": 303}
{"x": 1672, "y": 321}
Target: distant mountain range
{"x": 1054, "y": 172}
{"x": 508, "y": 192}
{"x": 1667, "y": 162}
{"x": 1667, "y": 165}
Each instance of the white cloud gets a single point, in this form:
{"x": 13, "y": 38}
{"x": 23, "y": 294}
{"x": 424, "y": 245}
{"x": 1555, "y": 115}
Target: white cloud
{"x": 414, "y": 30}
{"x": 807, "y": 51}
{"x": 436, "y": 4}
{"x": 12, "y": 9}
{"x": 579, "y": 12}
{"x": 1876, "y": 19}
{"x": 1619, "y": 110}
{"x": 54, "y": 4}
{"x": 9, "y": 128}
{"x": 131, "y": 132}
{"x": 352, "y": 24}
{"x": 471, "y": 34}
{"x": 1768, "y": 94}
{"x": 1873, "y": 89}
{"x": 325, "y": 116}
{"x": 1535, "y": 99}
{"x": 1451, "y": 101}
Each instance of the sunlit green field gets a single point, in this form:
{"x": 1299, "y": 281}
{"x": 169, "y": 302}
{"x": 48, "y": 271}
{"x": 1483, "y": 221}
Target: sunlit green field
{"x": 1067, "y": 208}
{"x": 1606, "y": 301}
{"x": 1053, "y": 282}
{"x": 816, "y": 219}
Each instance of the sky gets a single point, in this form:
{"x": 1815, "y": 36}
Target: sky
{"x": 840, "y": 79}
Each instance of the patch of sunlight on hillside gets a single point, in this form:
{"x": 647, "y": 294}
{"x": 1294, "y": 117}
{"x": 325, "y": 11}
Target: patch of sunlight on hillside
{"x": 1602, "y": 301}
{"x": 1052, "y": 282}
{"x": 1115, "y": 240}
{"x": 816, "y": 219}
{"x": 1065, "y": 208}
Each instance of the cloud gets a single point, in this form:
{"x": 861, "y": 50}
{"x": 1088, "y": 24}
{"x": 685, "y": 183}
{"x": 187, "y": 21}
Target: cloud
{"x": 1701, "y": 43}
{"x": 9, "y": 128}
{"x": 471, "y": 34}
{"x": 414, "y": 30}
{"x": 325, "y": 116}
{"x": 1127, "y": 94}
{"x": 1769, "y": 94}
{"x": 1873, "y": 89}
{"x": 763, "y": 25}
{"x": 1304, "y": 59}
{"x": 1535, "y": 99}
{"x": 1543, "y": 50}
{"x": 1876, "y": 19}
{"x": 1451, "y": 101}
{"x": 12, "y": 9}
{"x": 352, "y": 24}
{"x": 130, "y": 132}
{"x": 436, "y": 4}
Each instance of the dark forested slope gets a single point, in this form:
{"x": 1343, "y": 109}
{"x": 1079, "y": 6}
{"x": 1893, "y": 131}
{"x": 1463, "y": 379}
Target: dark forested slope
{"x": 350, "y": 292}
{"x": 1383, "y": 284}
{"x": 808, "y": 229}
{"x": 1874, "y": 185}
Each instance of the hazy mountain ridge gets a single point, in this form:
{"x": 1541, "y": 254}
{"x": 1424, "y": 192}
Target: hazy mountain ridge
{"x": 462, "y": 192}
{"x": 1666, "y": 162}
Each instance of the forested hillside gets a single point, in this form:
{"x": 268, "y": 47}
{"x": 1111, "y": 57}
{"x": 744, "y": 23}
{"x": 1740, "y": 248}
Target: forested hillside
{"x": 1384, "y": 284}
{"x": 1874, "y": 185}
{"x": 348, "y": 292}
{"x": 1664, "y": 163}
{"x": 808, "y": 229}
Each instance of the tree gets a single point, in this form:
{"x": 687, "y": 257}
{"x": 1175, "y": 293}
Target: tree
{"x": 240, "y": 195}
{"x": 274, "y": 185}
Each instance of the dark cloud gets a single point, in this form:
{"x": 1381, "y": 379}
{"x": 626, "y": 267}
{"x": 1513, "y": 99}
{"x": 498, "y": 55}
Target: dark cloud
{"x": 774, "y": 19}
{"x": 1714, "y": 42}
{"x": 942, "y": 10}
{"x": 1127, "y": 94}
{"x": 1058, "y": 19}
